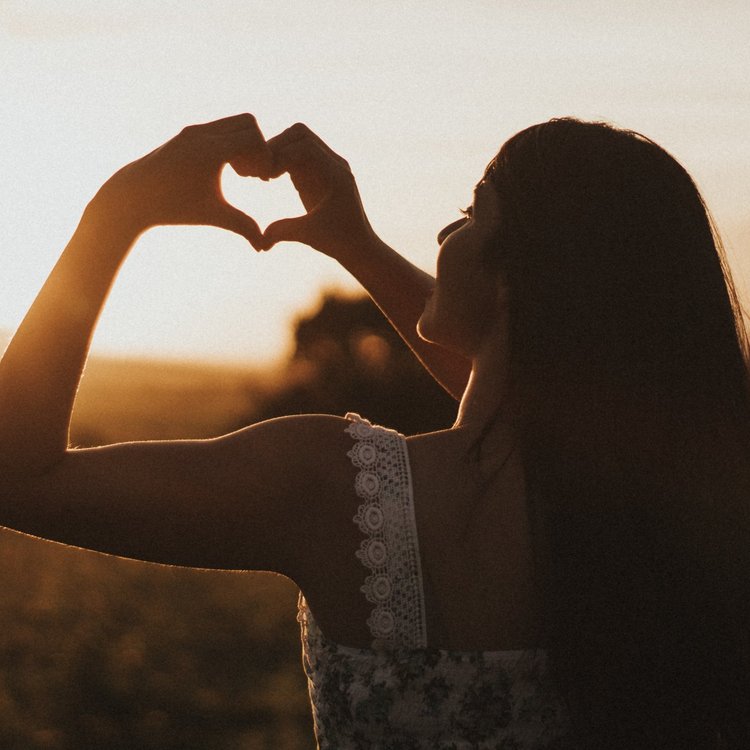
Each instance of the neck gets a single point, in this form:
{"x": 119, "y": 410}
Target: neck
{"x": 486, "y": 400}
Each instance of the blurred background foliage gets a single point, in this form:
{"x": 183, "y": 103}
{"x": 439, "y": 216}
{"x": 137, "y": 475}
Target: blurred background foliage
{"x": 100, "y": 652}
{"x": 348, "y": 358}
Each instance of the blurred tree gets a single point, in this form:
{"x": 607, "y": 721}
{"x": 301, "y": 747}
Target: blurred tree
{"x": 347, "y": 357}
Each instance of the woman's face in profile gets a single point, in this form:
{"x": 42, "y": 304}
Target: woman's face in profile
{"x": 463, "y": 304}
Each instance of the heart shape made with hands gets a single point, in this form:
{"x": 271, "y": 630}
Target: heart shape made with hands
{"x": 268, "y": 200}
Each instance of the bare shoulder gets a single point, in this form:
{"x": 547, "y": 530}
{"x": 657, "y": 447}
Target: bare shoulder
{"x": 303, "y": 438}
{"x": 295, "y": 460}
{"x": 299, "y": 465}
{"x": 437, "y": 450}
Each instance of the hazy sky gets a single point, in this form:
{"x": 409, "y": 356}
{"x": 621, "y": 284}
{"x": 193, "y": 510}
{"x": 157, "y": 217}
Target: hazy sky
{"x": 417, "y": 95}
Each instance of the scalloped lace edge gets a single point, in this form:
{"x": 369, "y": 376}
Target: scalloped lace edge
{"x": 390, "y": 549}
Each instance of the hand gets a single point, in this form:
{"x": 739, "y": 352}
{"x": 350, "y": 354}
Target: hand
{"x": 180, "y": 182}
{"x": 335, "y": 222}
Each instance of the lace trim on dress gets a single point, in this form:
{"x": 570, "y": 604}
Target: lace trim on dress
{"x": 391, "y": 549}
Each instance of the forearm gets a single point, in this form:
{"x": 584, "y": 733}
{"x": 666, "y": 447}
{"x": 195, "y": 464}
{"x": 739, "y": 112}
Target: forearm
{"x": 336, "y": 224}
{"x": 400, "y": 290}
{"x": 176, "y": 183}
{"x": 42, "y": 366}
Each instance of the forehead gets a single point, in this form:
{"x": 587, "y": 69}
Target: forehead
{"x": 485, "y": 197}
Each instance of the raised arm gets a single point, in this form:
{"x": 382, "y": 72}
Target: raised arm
{"x": 336, "y": 225}
{"x": 212, "y": 503}
{"x": 177, "y": 183}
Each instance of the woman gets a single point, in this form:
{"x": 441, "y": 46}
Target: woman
{"x": 567, "y": 565}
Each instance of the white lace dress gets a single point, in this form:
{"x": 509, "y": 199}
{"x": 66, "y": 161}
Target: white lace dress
{"x": 400, "y": 693}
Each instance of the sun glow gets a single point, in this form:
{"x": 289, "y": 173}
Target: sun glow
{"x": 417, "y": 96}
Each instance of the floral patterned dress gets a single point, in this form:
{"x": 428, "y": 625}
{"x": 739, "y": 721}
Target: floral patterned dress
{"x": 400, "y": 693}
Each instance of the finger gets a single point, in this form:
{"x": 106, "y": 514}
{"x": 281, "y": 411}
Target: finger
{"x": 301, "y": 153}
{"x": 236, "y": 221}
{"x": 290, "y": 135}
{"x": 285, "y": 230}
{"x": 248, "y": 153}
{"x": 297, "y": 132}
{"x": 311, "y": 171}
{"x": 230, "y": 124}
{"x": 239, "y": 141}
{"x": 300, "y": 133}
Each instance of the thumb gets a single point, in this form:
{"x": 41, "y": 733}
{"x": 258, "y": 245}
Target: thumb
{"x": 236, "y": 221}
{"x": 286, "y": 230}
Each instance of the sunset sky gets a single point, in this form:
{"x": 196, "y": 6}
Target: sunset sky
{"x": 417, "y": 94}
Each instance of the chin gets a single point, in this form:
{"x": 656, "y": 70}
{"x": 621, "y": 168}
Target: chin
{"x": 441, "y": 338}
{"x": 435, "y": 329}
{"x": 424, "y": 328}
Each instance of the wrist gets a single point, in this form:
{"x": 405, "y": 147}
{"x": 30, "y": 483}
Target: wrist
{"x": 359, "y": 254}
{"x": 104, "y": 222}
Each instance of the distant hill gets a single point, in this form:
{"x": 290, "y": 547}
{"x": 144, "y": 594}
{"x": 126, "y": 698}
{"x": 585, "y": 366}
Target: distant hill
{"x": 134, "y": 399}
{"x": 150, "y": 399}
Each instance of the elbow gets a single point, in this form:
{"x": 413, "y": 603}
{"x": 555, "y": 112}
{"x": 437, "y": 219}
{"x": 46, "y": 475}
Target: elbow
{"x": 25, "y": 460}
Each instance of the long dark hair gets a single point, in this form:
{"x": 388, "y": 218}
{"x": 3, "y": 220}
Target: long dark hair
{"x": 629, "y": 369}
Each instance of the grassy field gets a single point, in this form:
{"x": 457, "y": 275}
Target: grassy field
{"x": 99, "y": 652}
{"x": 143, "y": 400}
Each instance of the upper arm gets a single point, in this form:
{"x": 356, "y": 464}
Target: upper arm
{"x": 242, "y": 501}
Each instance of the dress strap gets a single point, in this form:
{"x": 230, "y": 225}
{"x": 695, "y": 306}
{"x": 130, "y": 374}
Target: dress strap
{"x": 390, "y": 549}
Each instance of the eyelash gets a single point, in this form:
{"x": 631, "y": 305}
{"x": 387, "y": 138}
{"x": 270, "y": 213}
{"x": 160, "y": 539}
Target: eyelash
{"x": 468, "y": 212}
